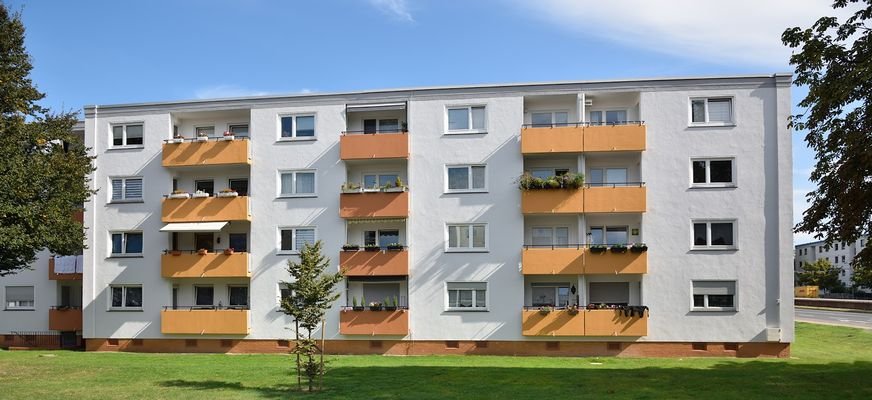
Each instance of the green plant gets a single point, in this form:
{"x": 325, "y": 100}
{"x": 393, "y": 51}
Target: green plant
{"x": 572, "y": 310}
{"x": 396, "y": 303}
{"x": 350, "y": 186}
{"x": 354, "y": 301}
{"x": 545, "y": 310}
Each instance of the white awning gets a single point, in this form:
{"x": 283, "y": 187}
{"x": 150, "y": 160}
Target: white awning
{"x": 375, "y": 220}
{"x": 375, "y": 107}
{"x": 194, "y": 227}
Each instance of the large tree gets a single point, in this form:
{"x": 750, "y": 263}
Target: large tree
{"x": 43, "y": 166}
{"x": 834, "y": 61}
{"x": 820, "y": 273}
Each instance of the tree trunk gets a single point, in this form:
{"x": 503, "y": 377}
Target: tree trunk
{"x": 297, "y": 343}
{"x": 311, "y": 360}
{"x": 321, "y": 375}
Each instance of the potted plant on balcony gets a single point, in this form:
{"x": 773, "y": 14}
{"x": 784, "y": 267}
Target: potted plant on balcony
{"x": 228, "y": 193}
{"x": 390, "y": 306}
{"x": 552, "y": 183}
{"x": 202, "y": 252}
{"x": 375, "y": 306}
{"x": 598, "y": 248}
{"x": 545, "y": 310}
{"x": 199, "y": 195}
{"x": 228, "y": 251}
{"x": 393, "y": 187}
{"x": 177, "y": 139}
{"x": 572, "y": 310}
{"x": 619, "y": 248}
{"x": 371, "y": 247}
{"x": 229, "y": 135}
{"x": 350, "y": 187}
{"x": 572, "y": 181}
{"x": 202, "y": 136}
{"x": 395, "y": 247}
{"x": 639, "y": 248}
{"x": 355, "y": 305}
{"x": 350, "y": 247}
{"x": 179, "y": 194}
{"x": 175, "y": 252}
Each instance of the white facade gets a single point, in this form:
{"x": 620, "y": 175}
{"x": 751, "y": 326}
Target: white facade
{"x": 840, "y": 255}
{"x": 758, "y": 203}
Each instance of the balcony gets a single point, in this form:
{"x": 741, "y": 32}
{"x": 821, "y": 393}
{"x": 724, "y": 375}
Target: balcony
{"x": 374, "y": 205}
{"x": 65, "y": 319}
{"x": 628, "y": 137}
{"x": 54, "y": 275}
{"x": 614, "y": 323}
{"x": 615, "y": 199}
{"x": 552, "y": 139}
{"x": 374, "y": 263}
{"x": 612, "y": 263}
{"x": 554, "y": 323}
{"x": 373, "y": 146}
{"x": 552, "y": 261}
{"x": 190, "y": 264}
{"x": 372, "y": 323}
{"x": 189, "y": 153}
{"x": 553, "y": 201}
{"x": 207, "y": 209}
{"x": 192, "y": 321}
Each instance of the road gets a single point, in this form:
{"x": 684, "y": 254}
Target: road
{"x": 846, "y": 318}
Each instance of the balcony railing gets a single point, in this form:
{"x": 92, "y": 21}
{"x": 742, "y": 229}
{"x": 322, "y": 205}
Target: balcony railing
{"x": 204, "y": 320}
{"x": 624, "y": 197}
{"x": 197, "y": 264}
{"x": 374, "y": 263}
{"x": 374, "y": 205}
{"x": 205, "y": 209}
{"x": 65, "y": 318}
{"x": 577, "y": 137}
{"x": 374, "y": 323}
{"x": 578, "y": 259}
{"x": 53, "y": 275}
{"x": 360, "y": 145}
{"x": 209, "y": 151}
{"x": 556, "y": 321}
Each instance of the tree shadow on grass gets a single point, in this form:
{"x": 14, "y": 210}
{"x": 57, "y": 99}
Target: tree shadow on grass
{"x": 728, "y": 380}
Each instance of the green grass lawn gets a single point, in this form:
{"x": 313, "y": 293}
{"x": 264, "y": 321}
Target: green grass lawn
{"x": 828, "y": 362}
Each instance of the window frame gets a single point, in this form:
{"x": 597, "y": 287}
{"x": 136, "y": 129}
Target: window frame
{"x": 553, "y": 113}
{"x": 705, "y": 307}
{"x": 604, "y": 114}
{"x": 6, "y": 306}
{"x": 471, "y": 249}
{"x": 294, "y": 184}
{"x": 709, "y": 246}
{"x": 124, "y": 144}
{"x": 247, "y": 126}
{"x": 708, "y": 183}
{"x": 378, "y": 175}
{"x": 470, "y": 130}
{"x": 553, "y": 229}
{"x": 124, "y": 253}
{"x": 124, "y": 306}
{"x": 469, "y": 189}
{"x": 707, "y": 122}
{"x": 474, "y": 308}
{"x": 294, "y": 137}
{"x": 124, "y": 198}
{"x": 294, "y": 250}
{"x": 196, "y": 288}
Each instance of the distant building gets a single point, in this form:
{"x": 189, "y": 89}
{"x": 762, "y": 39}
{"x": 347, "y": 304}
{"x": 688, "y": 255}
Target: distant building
{"x": 841, "y": 255}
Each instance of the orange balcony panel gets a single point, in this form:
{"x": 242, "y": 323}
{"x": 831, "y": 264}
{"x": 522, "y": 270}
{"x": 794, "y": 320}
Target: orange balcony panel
{"x": 204, "y": 322}
{"x": 374, "y": 205}
{"x": 65, "y": 320}
{"x": 631, "y": 199}
{"x": 210, "y": 265}
{"x": 567, "y": 139}
{"x": 208, "y": 209}
{"x": 614, "y": 323}
{"x": 374, "y": 263}
{"x": 374, "y": 146}
{"x": 611, "y": 263}
{"x": 53, "y": 276}
{"x": 371, "y": 323}
{"x": 211, "y": 152}
{"x": 614, "y": 138}
{"x": 555, "y": 323}
{"x": 555, "y": 201}
{"x": 548, "y": 261}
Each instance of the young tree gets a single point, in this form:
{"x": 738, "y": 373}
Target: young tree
{"x": 834, "y": 63}
{"x": 43, "y": 166}
{"x": 311, "y": 295}
{"x": 821, "y": 274}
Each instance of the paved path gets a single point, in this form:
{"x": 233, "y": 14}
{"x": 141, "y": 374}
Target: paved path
{"x": 846, "y": 318}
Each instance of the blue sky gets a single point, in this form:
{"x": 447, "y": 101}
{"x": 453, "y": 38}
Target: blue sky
{"x": 106, "y": 52}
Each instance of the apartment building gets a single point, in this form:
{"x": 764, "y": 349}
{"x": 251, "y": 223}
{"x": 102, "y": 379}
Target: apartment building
{"x": 43, "y": 304}
{"x": 460, "y": 209}
{"x": 840, "y": 255}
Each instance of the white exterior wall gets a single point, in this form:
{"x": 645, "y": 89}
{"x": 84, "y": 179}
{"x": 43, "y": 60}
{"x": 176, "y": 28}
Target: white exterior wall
{"x": 46, "y": 294}
{"x": 811, "y": 252}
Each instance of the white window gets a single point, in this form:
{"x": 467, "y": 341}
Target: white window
{"x": 126, "y": 244}
{"x": 713, "y": 172}
{"x": 607, "y": 117}
{"x": 127, "y": 135}
{"x": 297, "y": 127}
{"x": 389, "y": 125}
{"x": 550, "y": 294}
{"x": 714, "y": 234}
{"x": 714, "y": 296}
{"x": 470, "y": 119}
{"x": 465, "y": 178}
{"x": 297, "y": 183}
{"x": 607, "y": 177}
{"x": 237, "y": 296}
{"x": 467, "y": 296}
{"x": 238, "y": 130}
{"x": 125, "y": 297}
{"x": 292, "y": 240}
{"x": 19, "y": 298}
{"x": 283, "y": 292}
{"x": 126, "y": 190}
{"x": 373, "y": 182}
{"x": 711, "y": 111}
{"x": 550, "y": 236}
{"x": 545, "y": 119}
{"x": 467, "y": 237}
{"x": 204, "y": 296}
{"x": 207, "y": 131}
{"x": 608, "y": 235}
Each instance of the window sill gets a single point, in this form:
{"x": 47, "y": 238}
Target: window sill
{"x": 697, "y": 309}
{"x": 125, "y": 309}
{"x": 19, "y": 309}
{"x": 467, "y": 251}
{"x": 472, "y": 132}
{"x": 451, "y": 310}
{"x": 714, "y": 248}
{"x": 288, "y": 253}
{"x": 134, "y": 147}
{"x": 297, "y": 139}
{"x": 296, "y": 196}
{"x": 712, "y": 125}
{"x": 131, "y": 201}
{"x": 465, "y": 191}
{"x": 125, "y": 256}
{"x": 709, "y": 186}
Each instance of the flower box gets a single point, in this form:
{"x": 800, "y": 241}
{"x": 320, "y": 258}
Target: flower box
{"x": 619, "y": 249}
{"x": 228, "y": 252}
{"x": 227, "y": 194}
{"x": 372, "y": 248}
{"x": 597, "y": 249}
{"x": 177, "y": 140}
{"x": 202, "y": 138}
{"x": 350, "y": 247}
{"x": 180, "y": 196}
{"x": 639, "y": 248}
{"x": 394, "y": 189}
{"x": 395, "y": 247}
{"x": 199, "y": 195}
{"x": 202, "y": 252}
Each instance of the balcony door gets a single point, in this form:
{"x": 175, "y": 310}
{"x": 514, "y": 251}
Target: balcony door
{"x": 607, "y": 177}
{"x": 381, "y": 238}
{"x": 550, "y": 294}
{"x": 378, "y": 292}
{"x": 205, "y": 241}
{"x": 550, "y": 236}
{"x": 205, "y": 185}
{"x": 609, "y": 235}
{"x": 613, "y": 293}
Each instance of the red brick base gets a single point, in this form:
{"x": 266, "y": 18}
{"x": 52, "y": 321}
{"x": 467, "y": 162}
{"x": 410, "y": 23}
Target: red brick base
{"x": 430, "y": 347}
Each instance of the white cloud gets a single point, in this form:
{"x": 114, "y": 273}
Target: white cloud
{"x": 398, "y": 9}
{"x": 223, "y": 91}
{"x": 723, "y": 32}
